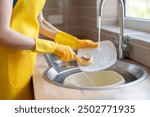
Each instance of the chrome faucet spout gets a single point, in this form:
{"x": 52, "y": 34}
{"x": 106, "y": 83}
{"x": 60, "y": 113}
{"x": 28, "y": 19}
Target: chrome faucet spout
{"x": 121, "y": 52}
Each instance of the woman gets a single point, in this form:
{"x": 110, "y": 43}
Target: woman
{"x": 20, "y": 24}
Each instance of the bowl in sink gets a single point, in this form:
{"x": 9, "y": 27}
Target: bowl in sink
{"x": 93, "y": 80}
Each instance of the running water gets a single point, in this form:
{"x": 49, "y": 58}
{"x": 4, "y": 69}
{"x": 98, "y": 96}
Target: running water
{"x": 99, "y": 30}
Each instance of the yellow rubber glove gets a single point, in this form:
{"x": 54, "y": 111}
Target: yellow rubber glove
{"x": 64, "y": 53}
{"x": 86, "y": 43}
{"x": 45, "y": 46}
{"x": 73, "y": 42}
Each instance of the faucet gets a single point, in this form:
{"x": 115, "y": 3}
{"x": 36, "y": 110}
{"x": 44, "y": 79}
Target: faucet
{"x": 121, "y": 40}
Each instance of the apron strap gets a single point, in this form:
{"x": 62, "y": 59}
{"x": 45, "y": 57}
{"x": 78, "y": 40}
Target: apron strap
{"x": 14, "y": 3}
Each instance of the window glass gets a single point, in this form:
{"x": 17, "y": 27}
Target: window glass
{"x": 138, "y": 9}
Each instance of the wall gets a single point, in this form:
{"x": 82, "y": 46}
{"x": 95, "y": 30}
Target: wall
{"x": 70, "y": 11}
{"x": 80, "y": 15}
{"x": 140, "y": 51}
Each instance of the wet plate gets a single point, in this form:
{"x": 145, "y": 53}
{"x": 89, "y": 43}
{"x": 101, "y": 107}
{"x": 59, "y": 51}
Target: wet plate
{"x": 103, "y": 57}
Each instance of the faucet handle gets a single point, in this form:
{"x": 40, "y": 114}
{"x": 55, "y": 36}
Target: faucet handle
{"x": 125, "y": 45}
{"x": 115, "y": 41}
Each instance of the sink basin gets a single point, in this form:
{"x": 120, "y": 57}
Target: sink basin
{"x": 137, "y": 82}
{"x": 132, "y": 74}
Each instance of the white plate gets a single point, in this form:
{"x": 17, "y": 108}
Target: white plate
{"x": 104, "y": 56}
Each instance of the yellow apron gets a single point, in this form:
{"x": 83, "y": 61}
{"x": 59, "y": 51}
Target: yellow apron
{"x": 16, "y": 66}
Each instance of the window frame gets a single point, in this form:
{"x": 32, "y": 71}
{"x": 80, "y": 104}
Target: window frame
{"x": 136, "y": 23}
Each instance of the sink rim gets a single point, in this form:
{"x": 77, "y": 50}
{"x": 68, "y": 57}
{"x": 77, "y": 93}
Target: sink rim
{"x": 144, "y": 77}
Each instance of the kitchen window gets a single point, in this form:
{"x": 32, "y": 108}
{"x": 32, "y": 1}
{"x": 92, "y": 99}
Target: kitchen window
{"x": 138, "y": 9}
{"x": 137, "y": 13}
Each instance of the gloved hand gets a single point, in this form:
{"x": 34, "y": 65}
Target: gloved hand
{"x": 44, "y": 46}
{"x": 73, "y": 42}
{"x": 86, "y": 43}
{"x": 64, "y": 53}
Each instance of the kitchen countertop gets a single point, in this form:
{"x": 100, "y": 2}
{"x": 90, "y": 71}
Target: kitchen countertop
{"x": 44, "y": 90}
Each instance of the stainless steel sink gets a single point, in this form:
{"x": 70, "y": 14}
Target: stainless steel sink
{"x": 132, "y": 74}
{"x": 137, "y": 84}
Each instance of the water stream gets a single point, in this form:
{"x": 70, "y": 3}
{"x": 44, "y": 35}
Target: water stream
{"x": 99, "y": 30}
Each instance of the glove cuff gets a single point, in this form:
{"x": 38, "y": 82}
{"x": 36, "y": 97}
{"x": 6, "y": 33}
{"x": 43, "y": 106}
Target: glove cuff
{"x": 66, "y": 39}
{"x": 45, "y": 46}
